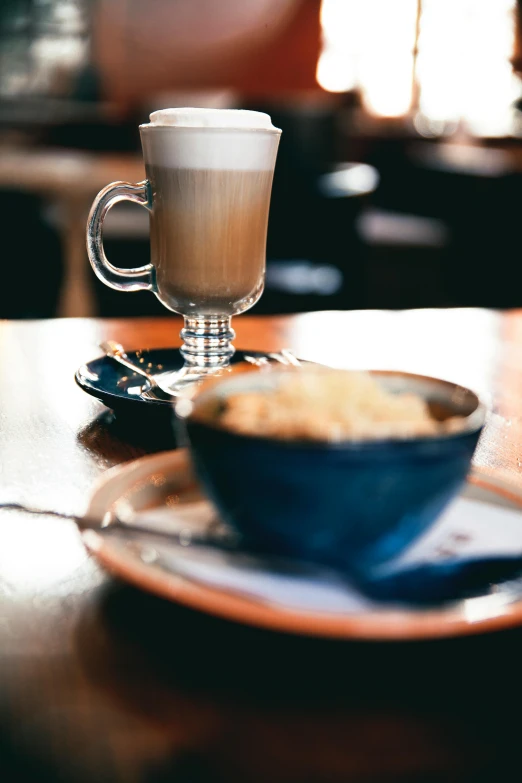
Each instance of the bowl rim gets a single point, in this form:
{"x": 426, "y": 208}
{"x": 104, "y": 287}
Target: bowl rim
{"x": 474, "y": 421}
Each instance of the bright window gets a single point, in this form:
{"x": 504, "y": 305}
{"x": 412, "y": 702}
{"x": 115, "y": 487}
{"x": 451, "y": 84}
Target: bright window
{"x": 461, "y": 72}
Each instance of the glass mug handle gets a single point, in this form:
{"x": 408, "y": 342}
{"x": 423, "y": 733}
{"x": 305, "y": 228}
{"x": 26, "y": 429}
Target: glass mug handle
{"x": 138, "y": 279}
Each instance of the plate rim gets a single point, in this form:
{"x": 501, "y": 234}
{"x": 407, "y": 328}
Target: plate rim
{"x": 386, "y": 625}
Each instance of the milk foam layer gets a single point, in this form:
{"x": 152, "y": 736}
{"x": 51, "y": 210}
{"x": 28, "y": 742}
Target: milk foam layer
{"x": 225, "y": 139}
{"x": 211, "y": 118}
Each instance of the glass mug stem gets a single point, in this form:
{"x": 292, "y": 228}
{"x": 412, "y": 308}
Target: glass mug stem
{"x": 207, "y": 342}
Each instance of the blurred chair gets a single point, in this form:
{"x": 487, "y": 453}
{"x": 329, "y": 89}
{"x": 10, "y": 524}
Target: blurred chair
{"x": 69, "y": 180}
{"x": 32, "y": 268}
{"x": 405, "y": 259}
{"x": 471, "y": 193}
{"x": 315, "y": 259}
{"x": 477, "y": 191}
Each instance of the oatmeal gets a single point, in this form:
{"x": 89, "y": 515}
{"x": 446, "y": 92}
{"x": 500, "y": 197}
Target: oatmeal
{"x": 333, "y": 405}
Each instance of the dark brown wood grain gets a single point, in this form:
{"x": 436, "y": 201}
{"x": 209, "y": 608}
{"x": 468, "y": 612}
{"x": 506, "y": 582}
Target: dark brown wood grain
{"x": 99, "y": 682}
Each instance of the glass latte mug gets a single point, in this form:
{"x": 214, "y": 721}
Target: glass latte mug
{"x": 209, "y": 181}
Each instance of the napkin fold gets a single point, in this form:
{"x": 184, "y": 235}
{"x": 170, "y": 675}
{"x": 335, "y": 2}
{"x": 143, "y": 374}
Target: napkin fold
{"x": 473, "y": 545}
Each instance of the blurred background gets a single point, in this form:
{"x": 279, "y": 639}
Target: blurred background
{"x": 399, "y": 177}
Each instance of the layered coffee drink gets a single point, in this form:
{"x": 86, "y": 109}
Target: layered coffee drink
{"x": 210, "y": 190}
{"x": 208, "y": 237}
{"x": 209, "y": 179}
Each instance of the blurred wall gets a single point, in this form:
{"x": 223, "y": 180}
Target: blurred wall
{"x": 256, "y": 47}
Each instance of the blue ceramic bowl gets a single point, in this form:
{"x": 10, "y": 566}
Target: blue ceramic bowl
{"x": 352, "y": 504}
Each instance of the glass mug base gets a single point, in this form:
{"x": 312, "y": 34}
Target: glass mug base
{"x": 206, "y": 350}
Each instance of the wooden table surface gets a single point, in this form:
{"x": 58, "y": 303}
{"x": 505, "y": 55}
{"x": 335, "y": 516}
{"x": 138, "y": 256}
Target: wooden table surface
{"x": 99, "y": 682}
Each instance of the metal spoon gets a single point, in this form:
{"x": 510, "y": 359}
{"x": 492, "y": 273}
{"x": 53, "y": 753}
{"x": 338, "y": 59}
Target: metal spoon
{"x": 157, "y": 388}
{"x": 284, "y": 356}
{"x": 257, "y": 361}
{"x": 215, "y": 536}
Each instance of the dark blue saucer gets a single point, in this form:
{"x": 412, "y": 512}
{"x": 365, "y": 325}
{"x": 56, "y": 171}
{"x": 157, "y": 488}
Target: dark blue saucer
{"x": 121, "y": 390}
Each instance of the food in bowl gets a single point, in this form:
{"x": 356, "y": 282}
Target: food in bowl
{"x": 330, "y": 405}
{"x": 352, "y": 502}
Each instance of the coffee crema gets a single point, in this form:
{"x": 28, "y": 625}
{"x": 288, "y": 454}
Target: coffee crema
{"x": 208, "y": 237}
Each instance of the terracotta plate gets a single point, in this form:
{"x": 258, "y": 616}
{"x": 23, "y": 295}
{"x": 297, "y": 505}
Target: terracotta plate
{"x": 153, "y": 484}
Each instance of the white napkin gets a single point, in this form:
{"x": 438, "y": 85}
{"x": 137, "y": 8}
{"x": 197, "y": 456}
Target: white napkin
{"x": 468, "y": 529}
